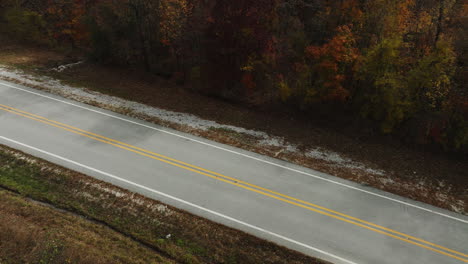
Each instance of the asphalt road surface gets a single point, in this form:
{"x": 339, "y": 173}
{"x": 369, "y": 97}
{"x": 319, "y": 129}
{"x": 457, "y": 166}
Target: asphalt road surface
{"x": 317, "y": 214}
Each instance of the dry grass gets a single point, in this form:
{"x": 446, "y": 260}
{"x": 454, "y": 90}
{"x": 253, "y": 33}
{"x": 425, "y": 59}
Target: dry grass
{"x": 34, "y": 233}
{"x": 193, "y": 239}
{"x": 30, "y": 56}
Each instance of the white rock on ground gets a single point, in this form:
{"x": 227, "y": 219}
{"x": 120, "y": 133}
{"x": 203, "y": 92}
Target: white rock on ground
{"x": 85, "y": 95}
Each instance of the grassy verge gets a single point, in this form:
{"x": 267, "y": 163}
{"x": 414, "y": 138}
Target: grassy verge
{"x": 34, "y": 233}
{"x": 170, "y": 233}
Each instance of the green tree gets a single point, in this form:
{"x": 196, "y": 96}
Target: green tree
{"x": 382, "y": 93}
{"x": 431, "y": 79}
{"x": 25, "y": 25}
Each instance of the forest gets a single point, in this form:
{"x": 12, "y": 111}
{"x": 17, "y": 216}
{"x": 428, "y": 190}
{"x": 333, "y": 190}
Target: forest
{"x": 399, "y": 64}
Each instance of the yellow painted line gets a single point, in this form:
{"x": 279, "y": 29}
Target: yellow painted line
{"x": 237, "y": 183}
{"x": 240, "y": 182}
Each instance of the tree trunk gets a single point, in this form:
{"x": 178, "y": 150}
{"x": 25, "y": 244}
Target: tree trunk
{"x": 440, "y": 21}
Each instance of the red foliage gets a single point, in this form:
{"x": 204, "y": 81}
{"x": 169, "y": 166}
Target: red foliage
{"x": 67, "y": 20}
{"x": 248, "y": 82}
{"x": 331, "y": 59}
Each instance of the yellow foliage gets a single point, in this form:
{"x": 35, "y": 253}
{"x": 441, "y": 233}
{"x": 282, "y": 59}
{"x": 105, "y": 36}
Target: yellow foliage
{"x": 174, "y": 15}
{"x": 284, "y": 90}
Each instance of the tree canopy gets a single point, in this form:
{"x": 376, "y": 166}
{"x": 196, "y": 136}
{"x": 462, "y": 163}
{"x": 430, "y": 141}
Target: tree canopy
{"x": 400, "y": 63}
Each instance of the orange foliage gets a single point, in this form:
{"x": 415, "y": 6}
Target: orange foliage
{"x": 405, "y": 15}
{"x": 67, "y": 18}
{"x": 174, "y": 15}
{"x": 331, "y": 60}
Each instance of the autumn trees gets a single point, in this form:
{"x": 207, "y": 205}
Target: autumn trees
{"x": 21, "y": 23}
{"x": 400, "y": 63}
{"x": 135, "y": 33}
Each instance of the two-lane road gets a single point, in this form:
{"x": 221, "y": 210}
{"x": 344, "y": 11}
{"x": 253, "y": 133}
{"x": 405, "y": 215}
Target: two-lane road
{"x": 306, "y": 210}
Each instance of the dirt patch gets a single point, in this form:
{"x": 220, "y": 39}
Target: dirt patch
{"x": 381, "y": 162}
{"x": 173, "y": 233}
{"x": 30, "y": 56}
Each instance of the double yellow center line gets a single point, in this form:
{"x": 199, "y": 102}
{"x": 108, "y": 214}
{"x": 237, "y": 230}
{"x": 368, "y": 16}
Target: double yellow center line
{"x": 245, "y": 185}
